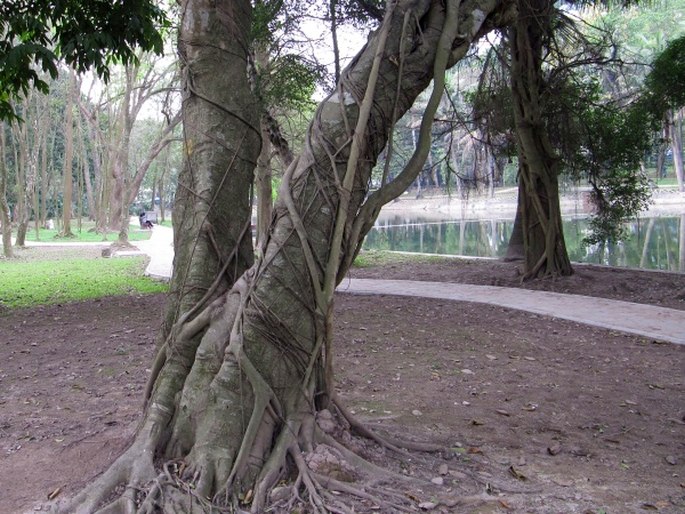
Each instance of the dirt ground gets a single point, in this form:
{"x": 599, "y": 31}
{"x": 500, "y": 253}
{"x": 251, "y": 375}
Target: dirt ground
{"x": 535, "y": 414}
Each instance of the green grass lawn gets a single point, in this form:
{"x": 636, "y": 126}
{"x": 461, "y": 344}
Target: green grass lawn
{"x": 135, "y": 233}
{"x": 40, "y": 277}
{"x": 371, "y": 258}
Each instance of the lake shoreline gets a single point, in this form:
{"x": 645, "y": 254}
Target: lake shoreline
{"x": 502, "y": 205}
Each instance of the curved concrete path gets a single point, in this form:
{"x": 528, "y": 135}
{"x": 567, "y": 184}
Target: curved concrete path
{"x": 644, "y": 320}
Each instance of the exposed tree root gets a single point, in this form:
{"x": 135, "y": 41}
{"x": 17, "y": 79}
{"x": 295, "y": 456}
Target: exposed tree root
{"x": 398, "y": 445}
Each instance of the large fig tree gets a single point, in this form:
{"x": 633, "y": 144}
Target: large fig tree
{"x": 244, "y": 377}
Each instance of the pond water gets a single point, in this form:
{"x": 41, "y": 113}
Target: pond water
{"x": 654, "y": 243}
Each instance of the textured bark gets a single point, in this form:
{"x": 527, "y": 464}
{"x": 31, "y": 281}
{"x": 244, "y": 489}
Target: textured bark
{"x": 241, "y": 375}
{"x": 222, "y": 140}
{"x": 543, "y": 239}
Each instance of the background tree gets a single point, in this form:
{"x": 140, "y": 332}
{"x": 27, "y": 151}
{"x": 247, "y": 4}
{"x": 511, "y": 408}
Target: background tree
{"x": 37, "y": 33}
{"x": 5, "y": 222}
{"x": 666, "y": 97}
{"x": 68, "y": 162}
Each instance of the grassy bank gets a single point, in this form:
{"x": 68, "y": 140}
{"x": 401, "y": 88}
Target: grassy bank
{"x": 41, "y": 276}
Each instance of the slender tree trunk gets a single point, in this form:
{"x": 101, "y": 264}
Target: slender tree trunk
{"x": 333, "y": 7}
{"x": 67, "y": 171}
{"x": 44, "y": 182}
{"x": 677, "y": 146}
{"x": 681, "y": 244}
{"x": 543, "y": 239}
{"x": 4, "y": 207}
{"x": 85, "y": 169}
{"x": 21, "y": 144}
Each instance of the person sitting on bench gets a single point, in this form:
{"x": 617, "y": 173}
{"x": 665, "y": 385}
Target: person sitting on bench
{"x": 144, "y": 222}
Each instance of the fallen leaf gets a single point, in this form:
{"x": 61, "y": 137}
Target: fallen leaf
{"x": 474, "y": 450}
{"x": 502, "y": 412}
{"x": 505, "y": 505}
{"x": 477, "y": 422}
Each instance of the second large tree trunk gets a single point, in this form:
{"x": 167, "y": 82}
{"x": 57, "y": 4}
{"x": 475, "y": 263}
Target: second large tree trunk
{"x": 544, "y": 249}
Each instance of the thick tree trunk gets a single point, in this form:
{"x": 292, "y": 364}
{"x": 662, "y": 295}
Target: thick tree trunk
{"x": 543, "y": 239}
{"x": 239, "y": 380}
{"x": 212, "y": 207}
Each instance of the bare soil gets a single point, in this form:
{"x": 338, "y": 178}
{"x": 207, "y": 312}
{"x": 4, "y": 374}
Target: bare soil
{"x": 535, "y": 414}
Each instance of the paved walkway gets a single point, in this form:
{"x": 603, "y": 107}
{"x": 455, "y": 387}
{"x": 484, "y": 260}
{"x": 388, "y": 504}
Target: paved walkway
{"x": 645, "y": 320}
{"x": 654, "y": 322}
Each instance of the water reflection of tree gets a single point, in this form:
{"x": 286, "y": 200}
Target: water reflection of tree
{"x": 658, "y": 244}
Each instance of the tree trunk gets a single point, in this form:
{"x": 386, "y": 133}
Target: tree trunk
{"x": 238, "y": 382}
{"x": 543, "y": 239}
{"x": 4, "y": 207}
{"x": 68, "y": 158}
{"x": 20, "y": 143}
{"x": 676, "y": 122}
{"x": 681, "y": 244}
{"x": 90, "y": 197}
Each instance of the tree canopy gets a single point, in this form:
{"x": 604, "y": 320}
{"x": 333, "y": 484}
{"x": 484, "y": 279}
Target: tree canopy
{"x": 36, "y": 34}
{"x": 665, "y": 82}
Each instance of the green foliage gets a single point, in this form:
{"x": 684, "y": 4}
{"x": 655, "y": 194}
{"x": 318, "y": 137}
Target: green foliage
{"x": 619, "y": 196}
{"x": 35, "y": 34}
{"x": 665, "y": 84}
{"x": 615, "y": 140}
{"x": 290, "y": 83}
{"x": 40, "y": 282}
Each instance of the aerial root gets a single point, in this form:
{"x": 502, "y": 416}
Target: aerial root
{"x": 391, "y": 443}
{"x": 319, "y": 488}
{"x": 133, "y": 469}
